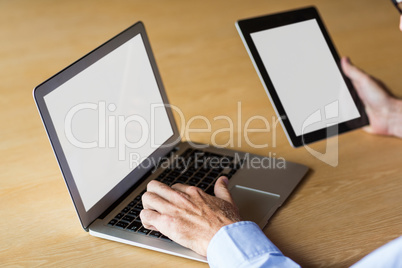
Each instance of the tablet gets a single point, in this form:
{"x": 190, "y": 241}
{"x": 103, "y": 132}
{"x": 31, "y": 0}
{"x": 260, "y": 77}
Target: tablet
{"x": 300, "y": 70}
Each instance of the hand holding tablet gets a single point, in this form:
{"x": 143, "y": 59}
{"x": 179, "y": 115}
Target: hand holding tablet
{"x": 300, "y": 70}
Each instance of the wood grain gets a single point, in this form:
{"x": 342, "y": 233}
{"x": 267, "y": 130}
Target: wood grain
{"x": 338, "y": 214}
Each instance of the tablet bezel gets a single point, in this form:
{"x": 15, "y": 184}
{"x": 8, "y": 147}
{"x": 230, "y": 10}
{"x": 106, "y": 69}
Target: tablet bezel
{"x": 246, "y": 27}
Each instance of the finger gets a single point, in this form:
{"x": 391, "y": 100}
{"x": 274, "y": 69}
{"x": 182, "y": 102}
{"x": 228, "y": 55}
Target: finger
{"x": 221, "y": 189}
{"x": 153, "y": 201}
{"x": 150, "y": 227}
{"x": 180, "y": 187}
{"x": 150, "y": 218}
{"x": 357, "y": 76}
{"x": 351, "y": 71}
{"x": 161, "y": 189}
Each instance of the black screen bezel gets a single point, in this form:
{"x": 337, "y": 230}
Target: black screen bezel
{"x": 248, "y": 26}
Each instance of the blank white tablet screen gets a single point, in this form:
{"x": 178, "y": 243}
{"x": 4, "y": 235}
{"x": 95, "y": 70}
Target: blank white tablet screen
{"x": 305, "y": 76}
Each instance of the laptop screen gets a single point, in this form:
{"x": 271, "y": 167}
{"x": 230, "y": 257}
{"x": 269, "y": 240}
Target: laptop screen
{"x": 109, "y": 118}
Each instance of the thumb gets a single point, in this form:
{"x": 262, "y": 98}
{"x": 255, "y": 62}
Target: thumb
{"x": 221, "y": 189}
{"x": 351, "y": 71}
{"x": 369, "y": 129}
{"x": 357, "y": 76}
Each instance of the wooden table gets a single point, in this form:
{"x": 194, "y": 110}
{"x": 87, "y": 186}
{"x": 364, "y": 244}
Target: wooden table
{"x": 338, "y": 214}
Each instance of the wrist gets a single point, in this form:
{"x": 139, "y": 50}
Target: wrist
{"x": 395, "y": 118}
{"x": 214, "y": 230}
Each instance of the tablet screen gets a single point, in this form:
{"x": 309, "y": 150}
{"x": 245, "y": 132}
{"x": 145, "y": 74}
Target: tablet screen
{"x": 305, "y": 75}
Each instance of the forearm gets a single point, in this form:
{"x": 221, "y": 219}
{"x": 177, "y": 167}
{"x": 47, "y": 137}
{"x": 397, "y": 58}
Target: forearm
{"x": 395, "y": 118}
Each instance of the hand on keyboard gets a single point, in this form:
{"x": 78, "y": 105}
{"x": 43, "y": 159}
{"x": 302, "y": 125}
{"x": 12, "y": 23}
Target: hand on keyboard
{"x": 186, "y": 214}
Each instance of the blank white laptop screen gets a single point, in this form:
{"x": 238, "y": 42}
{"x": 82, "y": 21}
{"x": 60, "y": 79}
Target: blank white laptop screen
{"x": 109, "y": 118}
{"x": 305, "y": 75}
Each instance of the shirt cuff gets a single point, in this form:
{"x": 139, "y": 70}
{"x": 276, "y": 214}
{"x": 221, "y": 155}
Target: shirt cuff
{"x": 241, "y": 244}
{"x": 389, "y": 255}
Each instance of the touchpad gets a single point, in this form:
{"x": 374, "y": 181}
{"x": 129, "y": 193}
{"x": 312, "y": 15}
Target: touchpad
{"x": 253, "y": 204}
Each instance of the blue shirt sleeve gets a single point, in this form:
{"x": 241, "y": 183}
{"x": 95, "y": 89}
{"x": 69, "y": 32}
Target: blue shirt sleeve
{"x": 389, "y": 255}
{"x": 243, "y": 244}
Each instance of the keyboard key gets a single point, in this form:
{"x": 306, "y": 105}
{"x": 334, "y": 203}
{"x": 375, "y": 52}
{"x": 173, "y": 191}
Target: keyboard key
{"x": 165, "y": 181}
{"x": 200, "y": 173}
{"x": 184, "y": 177}
{"x": 175, "y": 173}
{"x": 205, "y": 168}
{"x": 139, "y": 206}
{"x": 181, "y": 180}
{"x": 198, "y": 177}
{"x": 203, "y": 186}
{"x": 192, "y": 168}
{"x": 113, "y": 222}
{"x": 208, "y": 180}
{"x": 180, "y": 168}
{"x": 198, "y": 164}
{"x": 195, "y": 180}
{"x": 121, "y": 224}
{"x": 163, "y": 174}
{"x": 191, "y": 183}
{"x": 188, "y": 173}
{"x": 119, "y": 216}
{"x": 134, "y": 213}
{"x": 155, "y": 234}
{"x": 160, "y": 177}
{"x": 128, "y": 218}
{"x": 134, "y": 226}
{"x": 214, "y": 173}
{"x": 170, "y": 178}
{"x": 144, "y": 231}
{"x": 137, "y": 198}
{"x": 125, "y": 210}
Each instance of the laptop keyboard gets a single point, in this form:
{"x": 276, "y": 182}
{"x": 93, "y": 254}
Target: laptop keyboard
{"x": 193, "y": 167}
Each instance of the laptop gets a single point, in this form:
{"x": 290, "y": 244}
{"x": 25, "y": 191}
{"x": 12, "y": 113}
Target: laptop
{"x": 112, "y": 131}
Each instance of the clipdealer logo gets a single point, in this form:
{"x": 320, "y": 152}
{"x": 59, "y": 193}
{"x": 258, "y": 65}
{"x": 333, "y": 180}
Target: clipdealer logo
{"x": 331, "y": 113}
{"x": 112, "y": 128}
{"x": 111, "y": 132}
